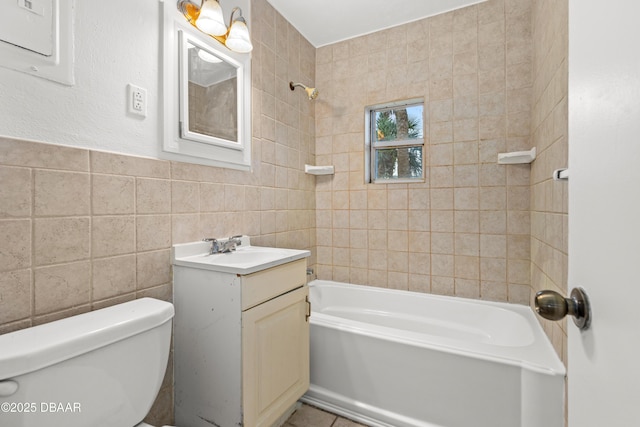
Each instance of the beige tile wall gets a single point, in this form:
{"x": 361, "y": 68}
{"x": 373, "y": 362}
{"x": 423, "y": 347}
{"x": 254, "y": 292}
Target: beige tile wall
{"x": 549, "y": 132}
{"x": 465, "y": 231}
{"x": 81, "y": 230}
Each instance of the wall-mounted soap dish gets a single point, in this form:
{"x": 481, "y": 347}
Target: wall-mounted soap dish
{"x": 517, "y": 157}
{"x": 318, "y": 170}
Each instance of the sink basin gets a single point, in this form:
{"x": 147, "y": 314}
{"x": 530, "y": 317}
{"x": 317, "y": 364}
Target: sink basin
{"x": 246, "y": 259}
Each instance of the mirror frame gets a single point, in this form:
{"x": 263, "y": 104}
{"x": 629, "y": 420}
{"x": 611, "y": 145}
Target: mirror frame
{"x": 178, "y": 142}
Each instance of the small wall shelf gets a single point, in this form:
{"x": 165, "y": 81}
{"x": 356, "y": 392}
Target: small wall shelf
{"x": 517, "y": 157}
{"x": 318, "y": 170}
{"x": 561, "y": 174}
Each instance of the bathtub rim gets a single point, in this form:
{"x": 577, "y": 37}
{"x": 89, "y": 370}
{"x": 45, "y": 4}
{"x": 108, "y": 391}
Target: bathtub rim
{"x": 552, "y": 367}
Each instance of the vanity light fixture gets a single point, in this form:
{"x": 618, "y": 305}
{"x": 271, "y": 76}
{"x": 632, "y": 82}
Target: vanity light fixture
{"x": 209, "y": 19}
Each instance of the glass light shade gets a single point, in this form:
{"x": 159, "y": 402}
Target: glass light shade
{"x": 211, "y": 19}
{"x": 238, "y": 39}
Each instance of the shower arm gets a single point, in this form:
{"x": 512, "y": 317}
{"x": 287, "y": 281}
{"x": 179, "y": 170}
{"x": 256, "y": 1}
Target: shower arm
{"x": 312, "y": 92}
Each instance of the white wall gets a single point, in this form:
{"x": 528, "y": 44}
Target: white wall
{"x": 116, "y": 42}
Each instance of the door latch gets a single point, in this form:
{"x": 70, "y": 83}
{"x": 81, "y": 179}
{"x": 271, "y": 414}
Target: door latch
{"x": 553, "y": 306}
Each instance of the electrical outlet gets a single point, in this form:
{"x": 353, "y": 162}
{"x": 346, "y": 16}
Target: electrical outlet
{"x": 137, "y": 100}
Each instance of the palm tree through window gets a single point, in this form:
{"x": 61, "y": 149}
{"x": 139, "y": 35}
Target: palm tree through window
{"x": 395, "y": 142}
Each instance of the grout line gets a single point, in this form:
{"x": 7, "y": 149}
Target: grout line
{"x": 32, "y": 266}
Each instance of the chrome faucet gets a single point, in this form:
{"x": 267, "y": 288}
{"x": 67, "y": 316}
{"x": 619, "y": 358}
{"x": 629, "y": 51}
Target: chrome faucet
{"x": 231, "y": 243}
{"x": 223, "y": 246}
{"x": 215, "y": 247}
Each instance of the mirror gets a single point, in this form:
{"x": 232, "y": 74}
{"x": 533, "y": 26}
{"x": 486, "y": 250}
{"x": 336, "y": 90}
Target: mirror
{"x": 206, "y": 97}
{"x": 209, "y": 94}
{"x": 212, "y": 96}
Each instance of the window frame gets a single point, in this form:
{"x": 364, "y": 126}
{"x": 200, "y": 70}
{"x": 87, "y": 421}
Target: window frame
{"x": 372, "y": 145}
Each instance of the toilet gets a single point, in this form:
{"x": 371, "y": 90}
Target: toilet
{"x": 98, "y": 369}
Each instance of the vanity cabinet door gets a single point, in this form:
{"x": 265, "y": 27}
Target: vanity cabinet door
{"x": 275, "y": 357}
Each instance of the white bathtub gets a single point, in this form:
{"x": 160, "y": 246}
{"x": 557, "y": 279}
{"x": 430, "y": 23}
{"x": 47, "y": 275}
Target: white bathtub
{"x": 403, "y": 359}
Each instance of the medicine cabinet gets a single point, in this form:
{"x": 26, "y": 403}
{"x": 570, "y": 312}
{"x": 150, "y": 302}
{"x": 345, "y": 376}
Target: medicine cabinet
{"x": 207, "y": 97}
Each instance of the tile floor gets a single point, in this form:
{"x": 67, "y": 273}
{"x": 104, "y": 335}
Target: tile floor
{"x": 309, "y": 416}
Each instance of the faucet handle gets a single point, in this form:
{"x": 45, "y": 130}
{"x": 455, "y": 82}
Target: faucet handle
{"x": 214, "y": 245}
{"x": 237, "y": 239}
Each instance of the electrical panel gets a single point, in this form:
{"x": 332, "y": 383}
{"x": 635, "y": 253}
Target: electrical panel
{"x": 28, "y": 24}
{"x": 36, "y": 38}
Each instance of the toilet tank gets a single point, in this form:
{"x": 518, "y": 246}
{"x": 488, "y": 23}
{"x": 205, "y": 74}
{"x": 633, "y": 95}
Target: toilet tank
{"x": 98, "y": 369}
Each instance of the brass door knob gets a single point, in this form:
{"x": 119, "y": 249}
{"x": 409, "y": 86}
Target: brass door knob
{"x": 553, "y": 306}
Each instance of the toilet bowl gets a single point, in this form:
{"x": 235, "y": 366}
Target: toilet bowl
{"x": 98, "y": 369}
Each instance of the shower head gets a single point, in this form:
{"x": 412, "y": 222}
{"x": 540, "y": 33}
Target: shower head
{"x": 312, "y": 92}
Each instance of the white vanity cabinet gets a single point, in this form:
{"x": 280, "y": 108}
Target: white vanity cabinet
{"x": 241, "y": 344}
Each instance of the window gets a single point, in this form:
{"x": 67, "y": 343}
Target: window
{"x": 394, "y": 140}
